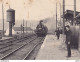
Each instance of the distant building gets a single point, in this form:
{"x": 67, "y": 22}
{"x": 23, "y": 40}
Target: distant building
{"x": 17, "y": 30}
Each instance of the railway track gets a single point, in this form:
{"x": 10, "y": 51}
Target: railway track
{"x": 11, "y": 42}
{"x": 24, "y": 49}
{"x": 25, "y": 58}
{"x": 9, "y": 47}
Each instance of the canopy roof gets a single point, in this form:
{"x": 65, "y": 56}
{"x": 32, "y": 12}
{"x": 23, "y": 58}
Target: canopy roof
{"x": 69, "y": 14}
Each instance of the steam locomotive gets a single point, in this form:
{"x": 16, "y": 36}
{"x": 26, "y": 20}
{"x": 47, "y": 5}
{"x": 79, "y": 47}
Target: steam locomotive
{"x": 41, "y": 30}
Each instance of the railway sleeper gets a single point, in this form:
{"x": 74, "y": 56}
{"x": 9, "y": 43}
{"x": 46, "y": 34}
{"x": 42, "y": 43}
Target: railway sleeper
{"x": 5, "y": 46}
{"x": 5, "y": 50}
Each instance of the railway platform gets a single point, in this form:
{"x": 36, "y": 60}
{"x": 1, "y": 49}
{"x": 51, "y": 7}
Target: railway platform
{"x": 53, "y": 49}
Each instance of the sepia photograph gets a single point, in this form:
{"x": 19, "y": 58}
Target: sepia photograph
{"x": 39, "y": 30}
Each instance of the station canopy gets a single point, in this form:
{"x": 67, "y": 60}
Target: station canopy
{"x": 69, "y": 14}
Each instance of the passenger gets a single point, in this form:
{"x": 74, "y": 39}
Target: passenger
{"x": 68, "y": 40}
{"x": 57, "y": 33}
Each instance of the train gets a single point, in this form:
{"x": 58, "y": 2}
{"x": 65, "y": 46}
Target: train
{"x": 41, "y": 29}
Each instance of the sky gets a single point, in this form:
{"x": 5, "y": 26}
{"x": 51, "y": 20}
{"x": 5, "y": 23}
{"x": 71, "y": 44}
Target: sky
{"x": 29, "y": 10}
{"x": 35, "y": 10}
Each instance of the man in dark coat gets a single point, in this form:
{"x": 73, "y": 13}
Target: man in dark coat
{"x": 68, "y": 40}
{"x": 57, "y": 33}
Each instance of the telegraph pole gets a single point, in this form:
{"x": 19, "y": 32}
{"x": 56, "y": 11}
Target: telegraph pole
{"x": 26, "y": 26}
{"x": 3, "y": 18}
{"x": 21, "y": 30}
{"x": 74, "y": 10}
{"x": 60, "y": 14}
{"x": 23, "y": 27}
{"x": 63, "y": 15}
{"x": 56, "y": 15}
{"x": 30, "y": 27}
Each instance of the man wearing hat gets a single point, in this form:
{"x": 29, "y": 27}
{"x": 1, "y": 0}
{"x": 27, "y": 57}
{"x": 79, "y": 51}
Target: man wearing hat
{"x": 68, "y": 40}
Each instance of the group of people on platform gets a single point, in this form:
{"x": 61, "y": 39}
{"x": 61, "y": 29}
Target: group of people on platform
{"x": 67, "y": 32}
